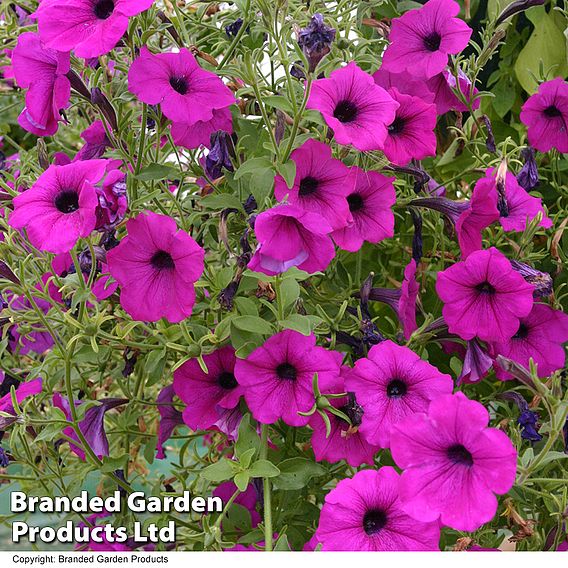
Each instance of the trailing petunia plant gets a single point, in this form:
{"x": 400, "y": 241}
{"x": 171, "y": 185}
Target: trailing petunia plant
{"x": 308, "y": 257}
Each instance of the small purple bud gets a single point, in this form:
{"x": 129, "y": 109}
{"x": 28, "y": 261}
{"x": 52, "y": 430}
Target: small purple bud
{"x": 250, "y": 204}
{"x": 353, "y": 410}
{"x": 227, "y": 295}
{"x": 447, "y": 207}
{"x": 130, "y": 357}
{"x": 542, "y": 281}
{"x": 233, "y": 29}
{"x": 315, "y": 40}
{"x": 297, "y": 71}
{"x": 528, "y": 175}
{"x": 490, "y": 142}
{"x": 417, "y": 244}
{"x": 527, "y": 420}
{"x": 219, "y": 156}
{"x": 516, "y": 7}
{"x": 4, "y": 460}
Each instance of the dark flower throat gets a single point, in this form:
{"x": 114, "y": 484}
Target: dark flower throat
{"x": 460, "y": 455}
{"x": 552, "y": 111}
{"x": 355, "y": 202}
{"x": 345, "y": 111}
{"x": 104, "y": 9}
{"x": 432, "y": 41}
{"x": 396, "y": 389}
{"x": 67, "y": 201}
{"x": 286, "y": 371}
{"x": 374, "y": 521}
{"x": 227, "y": 380}
{"x": 308, "y": 185}
{"x": 162, "y": 260}
{"x": 485, "y": 288}
{"x": 179, "y": 85}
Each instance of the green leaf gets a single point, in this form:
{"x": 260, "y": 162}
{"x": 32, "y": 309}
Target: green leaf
{"x": 545, "y": 49}
{"x": 263, "y": 468}
{"x": 253, "y": 324}
{"x": 246, "y": 458}
{"x": 289, "y": 292}
{"x": 222, "y": 201}
{"x": 247, "y": 437}
{"x": 282, "y": 543}
{"x": 288, "y": 172}
{"x": 157, "y": 172}
{"x": 242, "y": 480}
{"x": 112, "y": 464}
{"x": 279, "y": 102}
{"x": 219, "y": 471}
{"x": 298, "y": 323}
{"x": 295, "y": 473}
{"x": 253, "y": 166}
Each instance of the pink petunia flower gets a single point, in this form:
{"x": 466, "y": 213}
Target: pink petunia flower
{"x": 370, "y": 202}
{"x": 421, "y": 40}
{"x": 354, "y": 106}
{"x": 453, "y": 463}
{"x": 411, "y": 133}
{"x": 23, "y": 390}
{"x": 364, "y": 513}
{"x": 277, "y": 377}
{"x": 88, "y": 27}
{"x": 540, "y": 336}
{"x": 192, "y": 136}
{"x": 96, "y": 142}
{"x": 43, "y": 72}
{"x": 203, "y": 392}
{"x": 287, "y": 237}
{"x": 321, "y": 185}
{"x": 156, "y": 266}
{"x": 404, "y": 82}
{"x": 546, "y": 116}
{"x": 443, "y": 86}
{"x": 345, "y": 441}
{"x": 60, "y": 207}
{"x": 113, "y": 201}
{"x": 391, "y": 383}
{"x": 186, "y": 92}
{"x": 484, "y": 296}
{"x": 403, "y": 300}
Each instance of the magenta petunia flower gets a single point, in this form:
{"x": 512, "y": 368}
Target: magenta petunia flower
{"x": 321, "y": 185}
{"x": 96, "y": 142}
{"x": 89, "y": 27}
{"x": 170, "y": 417}
{"x": 277, "y": 377}
{"x": 540, "y": 336}
{"x": 364, "y": 513}
{"x": 403, "y": 300}
{"x": 23, "y": 390}
{"x": 370, "y": 200}
{"x": 421, "y": 40}
{"x": 403, "y": 82}
{"x": 156, "y": 266}
{"x": 354, "y": 106}
{"x": 411, "y": 133}
{"x": 519, "y": 207}
{"x": 192, "y": 136}
{"x": 287, "y": 237}
{"x": 345, "y": 441}
{"x": 546, "y": 116}
{"x": 443, "y": 86}
{"x": 391, "y": 383}
{"x": 43, "y": 72}
{"x": 484, "y": 297}
{"x": 186, "y": 92}
{"x": 60, "y": 207}
{"x": 203, "y": 392}
{"x": 453, "y": 463}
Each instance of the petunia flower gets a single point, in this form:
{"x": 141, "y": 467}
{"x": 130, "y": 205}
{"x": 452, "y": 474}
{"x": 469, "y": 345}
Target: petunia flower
{"x": 484, "y": 297}
{"x": 453, "y": 463}
{"x": 344, "y": 441}
{"x": 43, "y": 72}
{"x": 219, "y": 155}
{"x": 288, "y": 236}
{"x": 170, "y": 417}
{"x": 203, "y": 392}
{"x": 186, "y": 92}
{"x": 321, "y": 184}
{"x": 88, "y": 27}
{"x": 113, "y": 201}
{"x": 403, "y": 300}
{"x": 96, "y": 142}
{"x": 391, "y": 383}
{"x": 60, "y": 206}
{"x": 277, "y": 377}
{"x": 364, "y": 513}
{"x": 92, "y": 426}
{"x": 23, "y": 391}
{"x": 546, "y": 116}
{"x": 540, "y": 335}
{"x": 421, "y": 40}
{"x": 443, "y": 86}
{"x": 156, "y": 266}
{"x": 404, "y": 82}
{"x": 192, "y": 136}
{"x": 476, "y": 363}
{"x": 354, "y": 106}
{"x": 411, "y": 133}
{"x": 527, "y": 177}
{"x": 370, "y": 199}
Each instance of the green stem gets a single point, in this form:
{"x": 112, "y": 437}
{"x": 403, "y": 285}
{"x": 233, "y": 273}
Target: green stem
{"x": 267, "y": 491}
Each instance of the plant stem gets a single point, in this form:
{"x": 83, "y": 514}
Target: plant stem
{"x": 267, "y": 491}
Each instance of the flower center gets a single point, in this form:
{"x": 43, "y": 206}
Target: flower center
{"x": 485, "y": 288}
{"x": 355, "y": 202}
{"x": 308, "y": 185}
{"x": 162, "y": 260}
{"x": 345, "y": 111}
{"x": 104, "y": 9}
{"x": 552, "y": 111}
{"x": 179, "y": 85}
{"x": 286, "y": 371}
{"x": 459, "y": 454}
{"x": 522, "y": 332}
{"x": 67, "y": 201}
{"x": 397, "y": 126}
{"x": 374, "y": 521}
{"x": 396, "y": 389}
{"x": 227, "y": 380}
{"x": 432, "y": 41}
